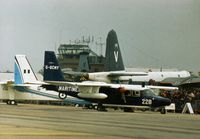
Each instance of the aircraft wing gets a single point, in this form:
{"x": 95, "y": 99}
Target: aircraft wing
{"x": 36, "y": 83}
{"x": 163, "y": 87}
{"x": 139, "y": 87}
{"x": 128, "y": 87}
{"x": 89, "y": 84}
{"x": 85, "y": 83}
{"x": 87, "y": 89}
{"x": 116, "y": 74}
{"x": 11, "y": 83}
{"x": 29, "y": 84}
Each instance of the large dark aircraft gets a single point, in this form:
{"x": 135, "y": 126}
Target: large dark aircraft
{"x": 101, "y": 93}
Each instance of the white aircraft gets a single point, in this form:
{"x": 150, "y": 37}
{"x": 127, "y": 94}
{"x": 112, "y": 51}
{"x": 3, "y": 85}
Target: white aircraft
{"x": 20, "y": 89}
{"x": 115, "y": 70}
{"x": 168, "y": 77}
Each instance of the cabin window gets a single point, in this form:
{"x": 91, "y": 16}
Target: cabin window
{"x": 28, "y": 71}
{"x": 24, "y": 71}
{"x": 147, "y": 92}
{"x": 135, "y": 93}
{"x": 129, "y": 93}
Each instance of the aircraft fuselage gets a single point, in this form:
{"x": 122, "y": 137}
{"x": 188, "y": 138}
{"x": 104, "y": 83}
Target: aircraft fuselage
{"x": 129, "y": 98}
{"x": 159, "y": 77}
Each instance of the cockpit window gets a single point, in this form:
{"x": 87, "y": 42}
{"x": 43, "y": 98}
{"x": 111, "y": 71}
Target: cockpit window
{"x": 133, "y": 93}
{"x": 136, "y": 93}
{"x": 147, "y": 92}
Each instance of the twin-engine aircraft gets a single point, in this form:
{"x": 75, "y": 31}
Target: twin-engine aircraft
{"x": 26, "y": 86}
{"x": 104, "y": 94}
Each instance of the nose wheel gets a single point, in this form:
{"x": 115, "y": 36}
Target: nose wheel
{"x": 163, "y": 111}
{"x": 62, "y": 95}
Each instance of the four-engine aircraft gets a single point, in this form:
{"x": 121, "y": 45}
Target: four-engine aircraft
{"x": 104, "y": 94}
{"x": 115, "y": 70}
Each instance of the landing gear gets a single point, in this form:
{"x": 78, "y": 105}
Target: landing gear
{"x": 62, "y": 95}
{"x": 163, "y": 111}
{"x": 11, "y": 102}
{"x": 128, "y": 109}
{"x": 100, "y": 107}
{"x": 143, "y": 110}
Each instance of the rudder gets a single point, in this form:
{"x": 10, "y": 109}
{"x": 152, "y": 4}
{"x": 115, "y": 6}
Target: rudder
{"x": 114, "y": 60}
{"x": 23, "y": 72}
{"x": 52, "y": 71}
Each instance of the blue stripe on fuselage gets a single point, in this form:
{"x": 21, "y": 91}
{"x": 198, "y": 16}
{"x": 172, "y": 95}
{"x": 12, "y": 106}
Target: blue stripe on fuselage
{"x": 67, "y": 100}
{"x": 18, "y": 76}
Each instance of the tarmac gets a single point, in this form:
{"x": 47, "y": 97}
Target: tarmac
{"x": 57, "y": 122}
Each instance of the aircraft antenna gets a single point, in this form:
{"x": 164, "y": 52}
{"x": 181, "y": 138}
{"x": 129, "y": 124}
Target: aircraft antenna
{"x": 100, "y": 44}
{"x": 55, "y": 47}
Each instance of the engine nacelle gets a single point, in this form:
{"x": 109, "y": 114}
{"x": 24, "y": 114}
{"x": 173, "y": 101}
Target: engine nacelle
{"x": 93, "y": 95}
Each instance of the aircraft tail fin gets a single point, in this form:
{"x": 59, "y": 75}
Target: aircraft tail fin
{"x": 114, "y": 60}
{"x": 52, "y": 71}
{"x": 23, "y": 72}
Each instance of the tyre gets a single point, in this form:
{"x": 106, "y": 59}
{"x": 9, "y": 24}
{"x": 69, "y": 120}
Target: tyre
{"x": 163, "y": 111}
{"x": 13, "y": 102}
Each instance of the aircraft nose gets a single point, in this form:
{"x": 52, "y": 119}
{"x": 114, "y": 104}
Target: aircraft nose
{"x": 160, "y": 101}
{"x": 166, "y": 102}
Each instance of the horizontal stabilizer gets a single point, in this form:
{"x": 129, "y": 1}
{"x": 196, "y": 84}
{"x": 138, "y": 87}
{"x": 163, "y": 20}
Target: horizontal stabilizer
{"x": 163, "y": 87}
{"x": 129, "y": 87}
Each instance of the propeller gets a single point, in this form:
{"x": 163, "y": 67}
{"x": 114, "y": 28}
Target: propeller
{"x": 122, "y": 91}
{"x": 84, "y": 77}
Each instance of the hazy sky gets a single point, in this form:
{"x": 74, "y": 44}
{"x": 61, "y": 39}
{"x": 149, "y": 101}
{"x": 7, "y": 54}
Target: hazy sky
{"x": 151, "y": 33}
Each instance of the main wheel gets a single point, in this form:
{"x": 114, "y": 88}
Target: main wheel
{"x": 62, "y": 95}
{"x": 8, "y": 102}
{"x": 163, "y": 111}
{"x": 126, "y": 109}
{"x": 100, "y": 107}
{"x": 13, "y": 102}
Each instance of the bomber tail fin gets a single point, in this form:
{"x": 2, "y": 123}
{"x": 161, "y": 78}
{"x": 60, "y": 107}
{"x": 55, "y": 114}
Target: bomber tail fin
{"x": 23, "y": 71}
{"x": 52, "y": 71}
{"x": 114, "y": 60}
